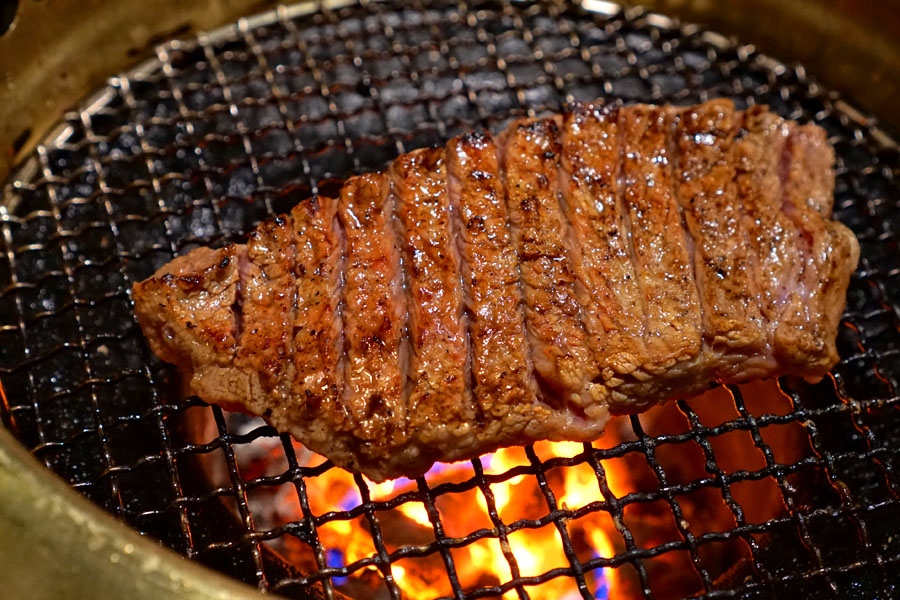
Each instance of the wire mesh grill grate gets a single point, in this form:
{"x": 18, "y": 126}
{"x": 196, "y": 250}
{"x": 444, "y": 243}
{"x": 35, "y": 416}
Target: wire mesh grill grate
{"x": 217, "y": 132}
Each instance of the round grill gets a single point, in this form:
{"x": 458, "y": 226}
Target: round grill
{"x": 220, "y": 131}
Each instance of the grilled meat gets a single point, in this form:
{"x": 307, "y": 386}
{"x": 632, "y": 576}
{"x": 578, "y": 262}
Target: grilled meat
{"x": 491, "y": 293}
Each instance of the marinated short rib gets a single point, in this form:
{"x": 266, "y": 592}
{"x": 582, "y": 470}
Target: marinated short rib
{"x": 489, "y": 294}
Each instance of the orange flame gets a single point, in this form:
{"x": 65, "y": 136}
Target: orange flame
{"x": 481, "y": 562}
{"x": 492, "y": 551}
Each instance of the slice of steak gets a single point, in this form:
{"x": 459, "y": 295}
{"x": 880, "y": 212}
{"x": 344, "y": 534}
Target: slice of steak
{"x": 451, "y": 308}
{"x": 812, "y": 157}
{"x": 441, "y": 407}
{"x": 773, "y": 237}
{"x": 190, "y": 311}
{"x": 831, "y": 253}
{"x": 663, "y": 266}
{"x": 724, "y": 266}
{"x": 313, "y": 408}
{"x": 269, "y": 301}
{"x": 542, "y": 238}
{"x": 613, "y": 306}
{"x": 374, "y": 315}
{"x": 512, "y": 410}
{"x": 503, "y": 382}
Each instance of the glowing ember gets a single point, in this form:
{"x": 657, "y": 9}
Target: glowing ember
{"x": 534, "y": 544}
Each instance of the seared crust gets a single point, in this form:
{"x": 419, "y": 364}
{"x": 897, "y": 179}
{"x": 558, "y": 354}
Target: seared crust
{"x": 311, "y": 406}
{"x": 614, "y": 314}
{"x": 191, "y": 299}
{"x": 725, "y": 268}
{"x": 269, "y": 299}
{"x": 189, "y": 311}
{"x": 512, "y": 407}
{"x": 542, "y": 238}
{"x": 501, "y": 369}
{"x": 374, "y": 314}
{"x": 614, "y": 258}
{"x": 663, "y": 264}
{"x": 441, "y": 408}
{"x": 831, "y": 252}
{"x": 773, "y": 237}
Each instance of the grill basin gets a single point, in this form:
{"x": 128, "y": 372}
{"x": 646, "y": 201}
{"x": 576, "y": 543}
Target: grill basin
{"x": 217, "y": 132}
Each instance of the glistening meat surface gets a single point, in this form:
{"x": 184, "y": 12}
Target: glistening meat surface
{"x": 492, "y": 293}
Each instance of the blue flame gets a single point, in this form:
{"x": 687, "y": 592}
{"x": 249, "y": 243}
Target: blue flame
{"x": 601, "y": 580}
{"x": 335, "y": 558}
{"x": 435, "y": 469}
{"x": 351, "y": 500}
{"x": 403, "y": 483}
{"x": 601, "y": 592}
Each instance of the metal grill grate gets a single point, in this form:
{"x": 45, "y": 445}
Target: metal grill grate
{"x": 215, "y": 133}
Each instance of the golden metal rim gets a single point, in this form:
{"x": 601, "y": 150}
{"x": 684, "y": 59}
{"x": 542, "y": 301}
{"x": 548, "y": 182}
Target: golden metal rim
{"x": 57, "y": 544}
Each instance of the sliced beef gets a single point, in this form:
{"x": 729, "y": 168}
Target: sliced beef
{"x": 662, "y": 258}
{"x": 603, "y": 263}
{"x": 474, "y": 297}
{"x": 508, "y": 406}
{"x": 773, "y": 237}
{"x": 503, "y": 383}
{"x": 374, "y": 314}
{"x": 311, "y": 407}
{"x": 187, "y": 308}
{"x": 269, "y": 299}
{"x": 542, "y": 238}
{"x": 830, "y": 251}
{"x": 191, "y": 311}
{"x": 441, "y": 405}
{"x": 725, "y": 267}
